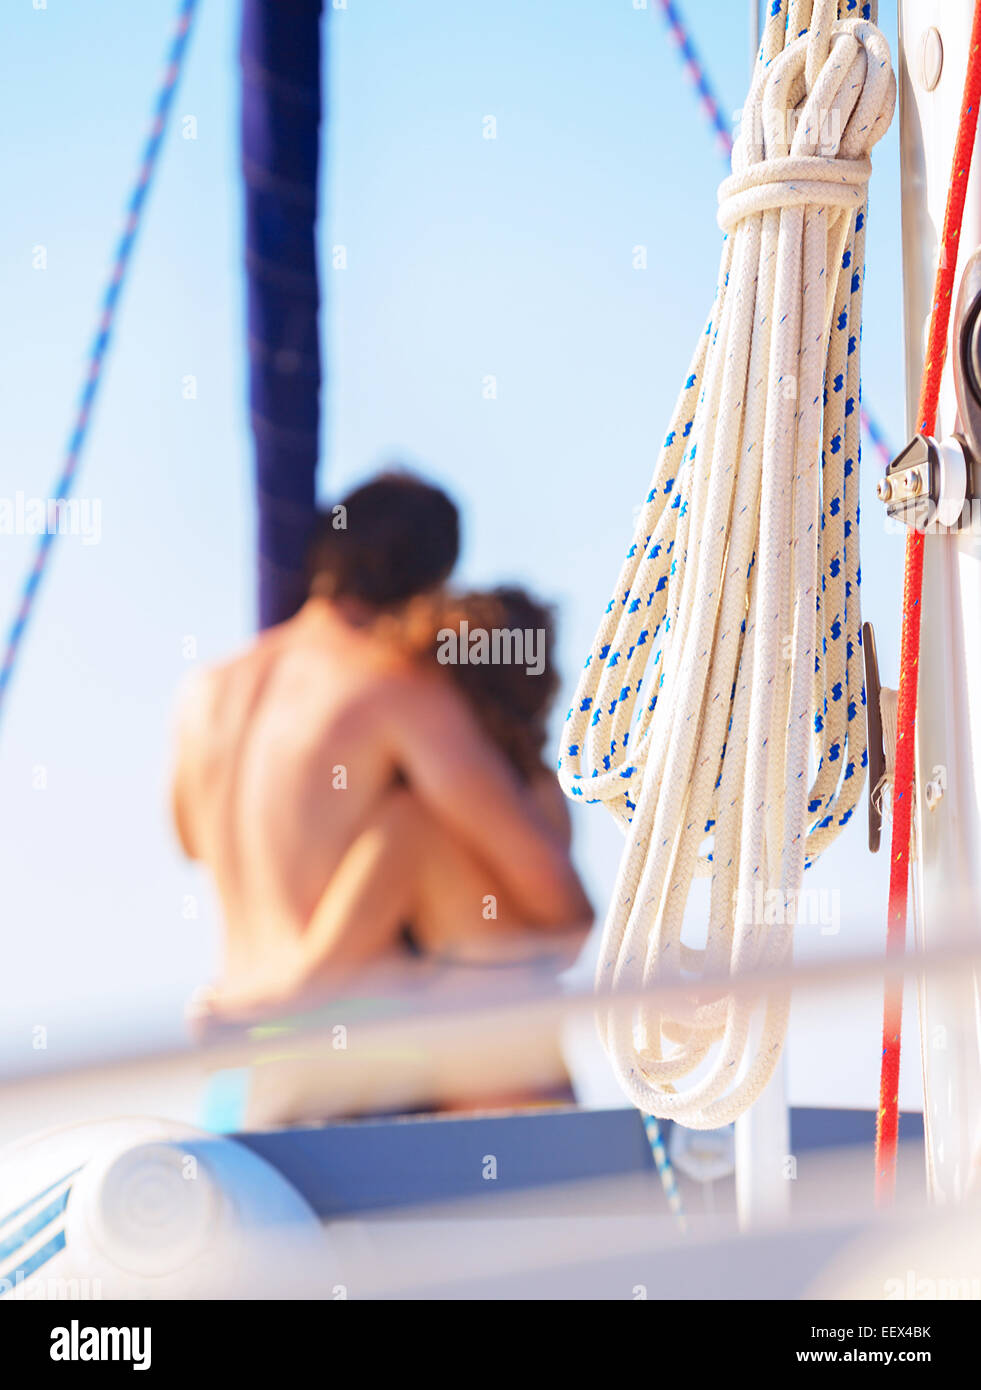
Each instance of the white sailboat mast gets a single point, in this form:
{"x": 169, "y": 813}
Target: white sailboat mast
{"x": 934, "y": 40}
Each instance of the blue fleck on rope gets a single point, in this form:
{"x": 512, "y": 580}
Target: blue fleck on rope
{"x": 666, "y": 1171}
{"x": 103, "y": 337}
{"x": 709, "y": 103}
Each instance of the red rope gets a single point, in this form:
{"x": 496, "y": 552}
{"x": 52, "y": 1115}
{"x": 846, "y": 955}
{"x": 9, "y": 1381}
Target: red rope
{"x": 887, "y": 1126}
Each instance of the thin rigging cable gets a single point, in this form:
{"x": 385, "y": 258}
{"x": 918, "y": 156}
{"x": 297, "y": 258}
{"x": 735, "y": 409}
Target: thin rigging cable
{"x": 100, "y": 345}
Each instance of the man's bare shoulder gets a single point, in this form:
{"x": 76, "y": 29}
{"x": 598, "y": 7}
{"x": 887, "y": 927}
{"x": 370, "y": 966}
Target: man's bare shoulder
{"x": 200, "y": 691}
{"x": 195, "y": 697}
{"x": 203, "y": 693}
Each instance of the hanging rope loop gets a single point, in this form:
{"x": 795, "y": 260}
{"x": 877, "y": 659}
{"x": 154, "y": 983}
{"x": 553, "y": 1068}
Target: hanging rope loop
{"x": 733, "y": 634}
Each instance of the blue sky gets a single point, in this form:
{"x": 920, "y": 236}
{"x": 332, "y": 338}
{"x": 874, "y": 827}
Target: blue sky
{"x": 466, "y": 258}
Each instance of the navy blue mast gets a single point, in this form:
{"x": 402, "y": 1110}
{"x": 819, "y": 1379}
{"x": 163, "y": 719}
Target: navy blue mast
{"x": 281, "y": 108}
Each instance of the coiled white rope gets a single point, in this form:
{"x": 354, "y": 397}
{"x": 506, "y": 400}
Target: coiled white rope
{"x": 738, "y": 601}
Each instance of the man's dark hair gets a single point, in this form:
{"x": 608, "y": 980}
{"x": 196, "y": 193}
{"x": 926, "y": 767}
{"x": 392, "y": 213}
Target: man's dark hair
{"x": 387, "y": 541}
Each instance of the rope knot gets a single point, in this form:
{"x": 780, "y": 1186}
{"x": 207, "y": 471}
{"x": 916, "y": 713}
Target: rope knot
{"x": 787, "y": 182}
{"x": 812, "y": 117}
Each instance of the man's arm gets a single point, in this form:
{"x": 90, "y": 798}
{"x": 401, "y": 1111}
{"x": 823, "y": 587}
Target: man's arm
{"x": 469, "y": 786}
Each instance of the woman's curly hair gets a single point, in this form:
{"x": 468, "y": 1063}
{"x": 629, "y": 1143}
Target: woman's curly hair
{"x": 511, "y": 701}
